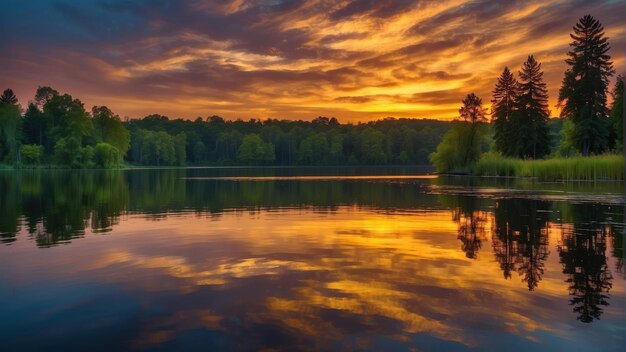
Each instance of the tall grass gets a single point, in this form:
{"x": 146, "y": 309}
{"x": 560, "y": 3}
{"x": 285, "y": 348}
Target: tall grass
{"x": 601, "y": 167}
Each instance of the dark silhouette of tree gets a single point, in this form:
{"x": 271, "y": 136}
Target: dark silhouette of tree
{"x": 471, "y": 232}
{"x": 43, "y": 95}
{"x": 583, "y": 94}
{"x": 10, "y": 127}
{"x": 583, "y": 255}
{"x": 616, "y": 137}
{"x": 532, "y": 135}
{"x": 520, "y": 240}
{"x": 471, "y": 225}
{"x": 503, "y": 105}
{"x": 34, "y": 127}
{"x": 472, "y": 112}
{"x": 8, "y": 97}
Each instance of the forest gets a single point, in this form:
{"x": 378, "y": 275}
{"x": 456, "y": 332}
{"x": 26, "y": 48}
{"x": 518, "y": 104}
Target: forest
{"x": 57, "y": 130}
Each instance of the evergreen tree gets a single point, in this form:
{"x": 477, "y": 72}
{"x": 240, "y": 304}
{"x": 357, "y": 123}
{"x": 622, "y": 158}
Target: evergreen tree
{"x": 8, "y": 97}
{"x": 503, "y": 104}
{"x": 34, "y": 126}
{"x": 533, "y": 134}
{"x": 583, "y": 94}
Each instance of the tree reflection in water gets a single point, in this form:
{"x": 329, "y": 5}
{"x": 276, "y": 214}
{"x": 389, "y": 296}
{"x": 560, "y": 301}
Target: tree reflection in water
{"x": 55, "y": 207}
{"x": 583, "y": 256}
{"x": 520, "y": 238}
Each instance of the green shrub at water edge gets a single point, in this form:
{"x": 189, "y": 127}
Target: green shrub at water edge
{"x": 107, "y": 156}
{"x": 31, "y": 154}
{"x": 609, "y": 167}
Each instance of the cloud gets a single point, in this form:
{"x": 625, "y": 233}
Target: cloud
{"x": 356, "y": 60}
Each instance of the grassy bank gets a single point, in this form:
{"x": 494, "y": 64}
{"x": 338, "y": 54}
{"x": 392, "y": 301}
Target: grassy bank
{"x": 602, "y": 167}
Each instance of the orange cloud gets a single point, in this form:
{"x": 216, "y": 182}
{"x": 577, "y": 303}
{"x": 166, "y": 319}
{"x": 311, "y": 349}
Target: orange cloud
{"x": 354, "y": 60}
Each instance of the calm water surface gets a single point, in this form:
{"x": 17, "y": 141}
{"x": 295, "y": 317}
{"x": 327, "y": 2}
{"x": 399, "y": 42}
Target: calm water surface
{"x": 313, "y": 259}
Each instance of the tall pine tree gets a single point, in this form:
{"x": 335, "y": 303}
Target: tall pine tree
{"x": 503, "y": 104}
{"x": 531, "y": 117}
{"x": 583, "y": 95}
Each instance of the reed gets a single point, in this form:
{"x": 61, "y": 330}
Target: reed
{"x": 600, "y": 167}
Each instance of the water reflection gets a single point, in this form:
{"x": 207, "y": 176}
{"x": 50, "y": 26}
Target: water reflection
{"x": 520, "y": 241}
{"x": 203, "y": 262}
{"x": 583, "y": 255}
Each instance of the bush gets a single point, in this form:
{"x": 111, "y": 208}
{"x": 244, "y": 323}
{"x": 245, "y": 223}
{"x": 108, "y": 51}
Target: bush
{"x": 461, "y": 146}
{"x": 84, "y": 159}
{"x": 68, "y": 152}
{"x": 30, "y": 154}
{"x": 107, "y": 156}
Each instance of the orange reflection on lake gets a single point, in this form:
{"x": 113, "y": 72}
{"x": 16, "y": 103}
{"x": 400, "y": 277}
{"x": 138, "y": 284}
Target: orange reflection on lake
{"x": 320, "y": 275}
{"x": 160, "y": 260}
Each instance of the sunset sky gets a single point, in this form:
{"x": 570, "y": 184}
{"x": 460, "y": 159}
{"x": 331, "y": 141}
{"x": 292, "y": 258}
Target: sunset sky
{"x": 356, "y": 60}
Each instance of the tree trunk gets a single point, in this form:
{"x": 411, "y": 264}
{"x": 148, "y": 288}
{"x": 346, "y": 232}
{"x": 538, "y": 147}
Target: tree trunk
{"x": 471, "y": 142}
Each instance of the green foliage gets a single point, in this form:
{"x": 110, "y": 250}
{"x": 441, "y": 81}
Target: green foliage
{"x": 71, "y": 137}
{"x": 160, "y": 148}
{"x": 599, "y": 167}
{"x": 323, "y": 141}
{"x": 461, "y": 146}
{"x": 520, "y": 113}
{"x": 69, "y": 152}
{"x": 374, "y": 147}
{"x": 35, "y": 126}
{"x": 10, "y": 128}
{"x": 109, "y": 128}
{"x": 107, "y": 156}
{"x": 254, "y": 151}
{"x": 583, "y": 93}
{"x": 566, "y": 146}
{"x": 31, "y": 154}
{"x": 67, "y": 118}
{"x": 503, "y": 104}
{"x": 313, "y": 150}
{"x": 228, "y": 143}
{"x": 532, "y": 132}
{"x": 617, "y": 115}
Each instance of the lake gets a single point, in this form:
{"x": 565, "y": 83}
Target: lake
{"x": 308, "y": 259}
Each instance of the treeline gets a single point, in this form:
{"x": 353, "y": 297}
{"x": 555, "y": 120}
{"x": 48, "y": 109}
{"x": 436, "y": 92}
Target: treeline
{"x": 55, "y": 129}
{"x": 520, "y": 113}
{"x": 323, "y": 141}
